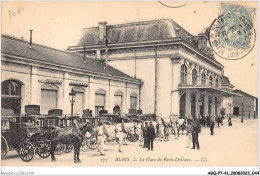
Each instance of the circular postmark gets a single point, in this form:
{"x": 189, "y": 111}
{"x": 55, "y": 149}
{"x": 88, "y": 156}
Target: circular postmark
{"x": 232, "y": 37}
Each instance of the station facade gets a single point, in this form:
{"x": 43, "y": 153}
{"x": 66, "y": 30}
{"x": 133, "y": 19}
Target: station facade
{"x": 181, "y": 77}
{"x": 34, "y": 74}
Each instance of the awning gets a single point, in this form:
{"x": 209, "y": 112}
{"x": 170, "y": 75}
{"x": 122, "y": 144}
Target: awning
{"x": 209, "y": 89}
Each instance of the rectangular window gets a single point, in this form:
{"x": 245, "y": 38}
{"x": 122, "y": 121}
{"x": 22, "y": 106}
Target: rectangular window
{"x": 183, "y": 78}
{"x": 118, "y": 100}
{"x": 194, "y": 80}
{"x": 48, "y": 100}
{"x": 99, "y": 103}
{"x": 79, "y": 102}
{"x": 133, "y": 102}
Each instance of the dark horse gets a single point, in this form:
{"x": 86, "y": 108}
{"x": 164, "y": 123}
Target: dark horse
{"x": 69, "y": 135}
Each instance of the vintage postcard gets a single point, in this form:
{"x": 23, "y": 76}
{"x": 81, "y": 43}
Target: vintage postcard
{"x": 129, "y": 83}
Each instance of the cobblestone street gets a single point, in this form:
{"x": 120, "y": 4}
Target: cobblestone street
{"x": 236, "y": 145}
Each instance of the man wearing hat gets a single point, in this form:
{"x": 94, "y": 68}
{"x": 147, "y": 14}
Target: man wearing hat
{"x": 150, "y": 136}
{"x": 100, "y": 138}
{"x": 144, "y": 129}
{"x": 195, "y": 133}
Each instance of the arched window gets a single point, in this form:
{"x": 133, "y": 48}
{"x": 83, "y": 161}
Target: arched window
{"x": 100, "y": 100}
{"x": 203, "y": 79}
{"x": 118, "y": 99}
{"x": 49, "y": 97}
{"x": 216, "y": 83}
{"x": 183, "y": 74}
{"x": 11, "y": 97}
{"x": 133, "y": 101}
{"x": 11, "y": 88}
{"x": 210, "y": 81}
{"x": 194, "y": 77}
{"x": 79, "y": 100}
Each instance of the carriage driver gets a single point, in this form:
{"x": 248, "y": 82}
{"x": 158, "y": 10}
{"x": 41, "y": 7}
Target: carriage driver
{"x": 100, "y": 138}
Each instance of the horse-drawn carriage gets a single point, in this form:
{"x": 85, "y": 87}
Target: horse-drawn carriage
{"x": 24, "y": 137}
{"x": 33, "y": 133}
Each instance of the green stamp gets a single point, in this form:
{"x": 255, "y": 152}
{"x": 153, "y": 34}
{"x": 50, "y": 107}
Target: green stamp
{"x": 232, "y": 35}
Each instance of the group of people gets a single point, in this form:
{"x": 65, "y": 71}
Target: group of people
{"x": 148, "y": 135}
{"x": 219, "y": 120}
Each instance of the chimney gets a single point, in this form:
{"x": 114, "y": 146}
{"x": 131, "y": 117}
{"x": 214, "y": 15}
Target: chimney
{"x": 102, "y": 30}
{"x": 30, "y": 46}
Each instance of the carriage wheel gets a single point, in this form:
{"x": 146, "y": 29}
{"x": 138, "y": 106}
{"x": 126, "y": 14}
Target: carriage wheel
{"x": 60, "y": 148}
{"x": 26, "y": 151}
{"x": 69, "y": 148}
{"x": 43, "y": 149}
{"x": 92, "y": 144}
{"x": 133, "y": 137}
{"x": 4, "y": 147}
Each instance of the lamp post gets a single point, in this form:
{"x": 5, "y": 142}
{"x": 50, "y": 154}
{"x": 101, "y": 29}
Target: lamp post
{"x": 72, "y": 99}
{"x": 242, "y": 107}
{"x": 249, "y": 112}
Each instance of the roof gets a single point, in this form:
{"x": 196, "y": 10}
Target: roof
{"x": 225, "y": 80}
{"x": 18, "y": 47}
{"x": 141, "y": 31}
{"x": 242, "y": 92}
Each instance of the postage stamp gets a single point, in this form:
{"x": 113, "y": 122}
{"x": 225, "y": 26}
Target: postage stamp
{"x": 232, "y": 34}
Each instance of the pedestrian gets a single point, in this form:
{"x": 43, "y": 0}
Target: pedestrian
{"x": 150, "y": 136}
{"x": 189, "y": 133}
{"x": 139, "y": 132}
{"x": 195, "y": 134}
{"x": 144, "y": 129}
{"x": 119, "y": 138}
{"x": 166, "y": 132}
{"x": 160, "y": 130}
{"x": 208, "y": 121}
{"x": 219, "y": 121}
{"x": 100, "y": 138}
{"x": 229, "y": 121}
{"x": 211, "y": 126}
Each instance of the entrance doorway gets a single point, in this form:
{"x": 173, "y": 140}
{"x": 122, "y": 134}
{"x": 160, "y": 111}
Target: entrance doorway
{"x": 182, "y": 105}
{"x": 236, "y": 110}
{"x": 193, "y": 105}
{"x": 202, "y": 106}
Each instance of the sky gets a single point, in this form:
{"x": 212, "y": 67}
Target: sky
{"x": 60, "y": 24}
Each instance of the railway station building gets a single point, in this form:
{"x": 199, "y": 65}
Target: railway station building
{"x": 34, "y": 74}
{"x": 181, "y": 77}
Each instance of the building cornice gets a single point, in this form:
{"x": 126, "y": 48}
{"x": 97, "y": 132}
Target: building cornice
{"x": 131, "y": 46}
{"x": 53, "y": 66}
